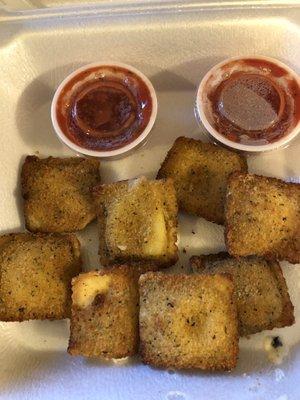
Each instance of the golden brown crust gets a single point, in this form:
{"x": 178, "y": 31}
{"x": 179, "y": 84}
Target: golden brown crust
{"x": 137, "y": 222}
{"x": 200, "y": 171}
{"x": 261, "y": 293}
{"x": 6, "y": 238}
{"x": 287, "y": 317}
{"x": 139, "y": 267}
{"x": 35, "y": 275}
{"x": 262, "y": 217}
{"x": 188, "y": 321}
{"x": 56, "y": 193}
{"x": 108, "y": 326}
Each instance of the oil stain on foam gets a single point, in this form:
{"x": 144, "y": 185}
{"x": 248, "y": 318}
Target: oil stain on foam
{"x": 275, "y": 348}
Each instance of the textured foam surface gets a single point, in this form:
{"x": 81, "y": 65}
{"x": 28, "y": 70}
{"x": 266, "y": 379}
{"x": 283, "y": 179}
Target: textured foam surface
{"x": 175, "y": 50}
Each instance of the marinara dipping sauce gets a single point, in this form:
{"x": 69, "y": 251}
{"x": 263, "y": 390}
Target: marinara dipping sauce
{"x": 104, "y": 109}
{"x": 250, "y": 104}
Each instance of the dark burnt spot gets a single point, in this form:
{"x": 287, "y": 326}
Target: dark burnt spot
{"x": 276, "y": 342}
{"x": 98, "y": 300}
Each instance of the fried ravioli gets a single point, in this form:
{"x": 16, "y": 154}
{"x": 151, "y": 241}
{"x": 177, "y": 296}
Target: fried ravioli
{"x": 56, "y": 193}
{"x": 188, "y": 321}
{"x": 200, "y": 172}
{"x": 35, "y": 275}
{"x": 104, "y": 320}
{"x": 137, "y": 222}
{"x": 263, "y": 217}
{"x": 261, "y": 293}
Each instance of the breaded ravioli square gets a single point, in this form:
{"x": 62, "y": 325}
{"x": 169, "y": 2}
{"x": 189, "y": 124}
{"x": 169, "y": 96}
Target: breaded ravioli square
{"x": 35, "y": 275}
{"x": 188, "y": 321}
{"x": 262, "y": 297}
{"x": 200, "y": 172}
{"x": 137, "y": 222}
{"x": 263, "y": 217}
{"x": 104, "y": 320}
{"x": 56, "y": 193}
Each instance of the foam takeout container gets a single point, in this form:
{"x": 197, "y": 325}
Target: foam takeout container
{"x": 174, "y": 43}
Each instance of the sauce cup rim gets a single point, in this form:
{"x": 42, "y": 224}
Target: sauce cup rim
{"x": 109, "y": 153}
{"x": 201, "y": 116}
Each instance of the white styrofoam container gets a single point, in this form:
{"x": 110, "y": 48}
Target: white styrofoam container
{"x": 174, "y": 43}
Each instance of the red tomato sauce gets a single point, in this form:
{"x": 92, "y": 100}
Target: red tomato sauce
{"x": 255, "y": 106}
{"x": 104, "y": 108}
